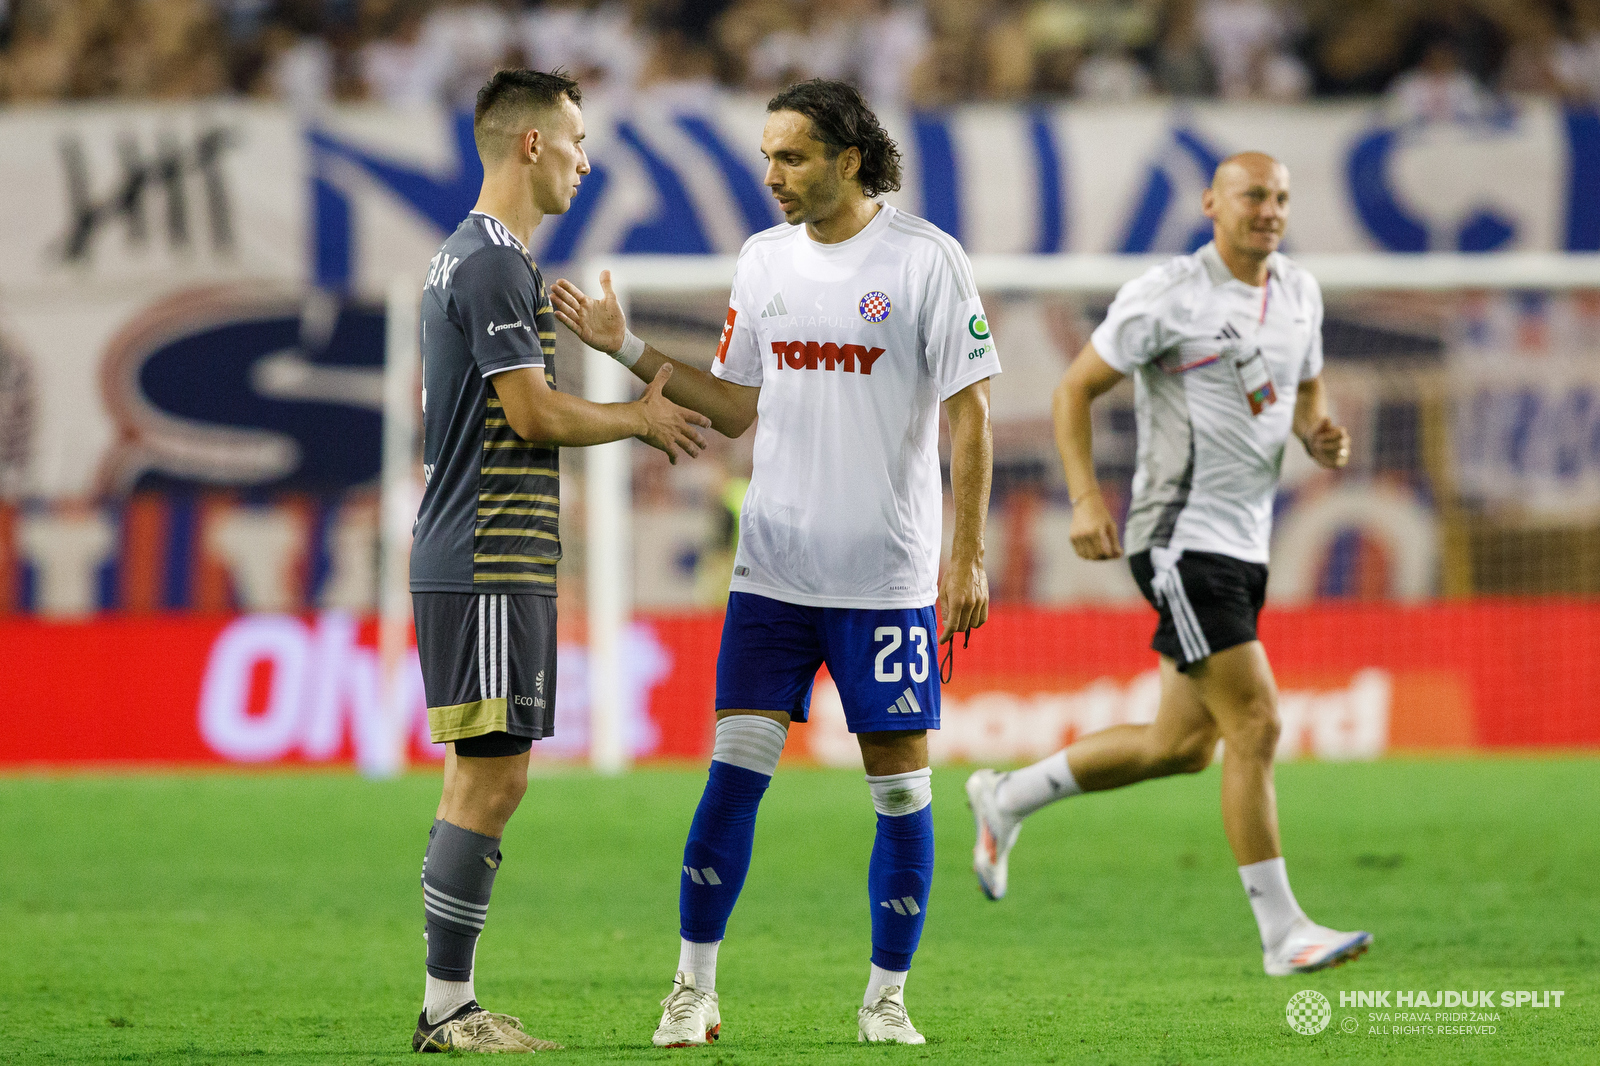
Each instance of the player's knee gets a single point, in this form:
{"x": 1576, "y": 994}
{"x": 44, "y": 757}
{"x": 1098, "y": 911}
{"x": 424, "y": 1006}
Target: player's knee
{"x": 500, "y": 795}
{"x": 512, "y": 789}
{"x": 1259, "y": 726}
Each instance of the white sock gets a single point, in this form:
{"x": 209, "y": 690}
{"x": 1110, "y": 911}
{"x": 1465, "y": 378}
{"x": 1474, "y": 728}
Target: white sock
{"x": 1267, "y": 885}
{"x": 881, "y": 979}
{"x": 700, "y": 960}
{"x": 444, "y": 998}
{"x": 1021, "y": 792}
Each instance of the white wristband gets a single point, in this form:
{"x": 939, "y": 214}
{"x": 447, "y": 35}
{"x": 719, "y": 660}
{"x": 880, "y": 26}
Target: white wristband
{"x": 632, "y": 348}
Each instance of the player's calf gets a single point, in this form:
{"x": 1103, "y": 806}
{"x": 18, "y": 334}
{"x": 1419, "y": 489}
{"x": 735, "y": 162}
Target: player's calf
{"x": 716, "y": 859}
{"x": 899, "y": 878}
{"x": 1187, "y": 755}
{"x": 716, "y": 856}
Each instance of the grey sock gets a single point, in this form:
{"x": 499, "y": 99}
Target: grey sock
{"x": 457, "y": 878}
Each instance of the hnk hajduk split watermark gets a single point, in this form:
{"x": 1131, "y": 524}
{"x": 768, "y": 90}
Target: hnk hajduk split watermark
{"x": 1474, "y": 1012}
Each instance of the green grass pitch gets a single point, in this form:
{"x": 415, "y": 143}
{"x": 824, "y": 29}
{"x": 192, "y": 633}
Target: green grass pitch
{"x": 276, "y": 918}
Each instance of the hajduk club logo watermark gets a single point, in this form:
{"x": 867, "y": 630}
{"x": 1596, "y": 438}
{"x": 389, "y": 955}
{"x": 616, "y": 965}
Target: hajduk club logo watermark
{"x": 1474, "y": 1012}
{"x": 1308, "y": 1012}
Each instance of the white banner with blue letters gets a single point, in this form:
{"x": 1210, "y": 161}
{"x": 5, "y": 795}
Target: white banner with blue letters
{"x": 186, "y": 295}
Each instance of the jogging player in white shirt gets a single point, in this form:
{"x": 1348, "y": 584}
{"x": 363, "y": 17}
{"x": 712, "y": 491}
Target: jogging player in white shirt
{"x": 847, "y": 328}
{"x": 1226, "y": 349}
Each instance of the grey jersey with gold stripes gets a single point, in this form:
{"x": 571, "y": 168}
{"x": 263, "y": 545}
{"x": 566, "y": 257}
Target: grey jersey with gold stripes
{"x": 488, "y": 521}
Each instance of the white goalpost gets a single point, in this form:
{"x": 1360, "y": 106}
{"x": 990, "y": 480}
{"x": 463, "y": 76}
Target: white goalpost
{"x": 607, "y": 469}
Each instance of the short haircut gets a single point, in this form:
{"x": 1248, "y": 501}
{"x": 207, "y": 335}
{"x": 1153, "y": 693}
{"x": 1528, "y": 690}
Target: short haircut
{"x": 840, "y": 119}
{"x": 508, "y": 97}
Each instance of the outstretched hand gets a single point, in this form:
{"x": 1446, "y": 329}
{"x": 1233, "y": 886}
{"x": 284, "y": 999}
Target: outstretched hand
{"x": 597, "y": 323}
{"x": 667, "y": 426}
{"x": 1328, "y": 444}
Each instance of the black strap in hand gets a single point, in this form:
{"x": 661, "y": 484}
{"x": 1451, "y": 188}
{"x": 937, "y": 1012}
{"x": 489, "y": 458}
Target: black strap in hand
{"x": 947, "y": 665}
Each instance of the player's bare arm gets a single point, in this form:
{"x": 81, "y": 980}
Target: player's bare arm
{"x": 964, "y": 592}
{"x": 1093, "y": 530}
{"x": 1327, "y": 444}
{"x": 548, "y": 416}
{"x": 600, "y": 324}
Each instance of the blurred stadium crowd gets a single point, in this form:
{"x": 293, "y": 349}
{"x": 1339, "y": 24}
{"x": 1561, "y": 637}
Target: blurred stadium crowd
{"x": 1434, "y": 58}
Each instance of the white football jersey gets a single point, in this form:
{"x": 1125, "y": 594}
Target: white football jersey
{"x": 1217, "y": 365}
{"x": 853, "y": 345}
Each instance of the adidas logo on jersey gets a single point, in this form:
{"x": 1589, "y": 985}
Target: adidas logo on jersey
{"x": 775, "y": 307}
{"x": 809, "y": 355}
{"x": 1228, "y": 333}
{"x": 907, "y": 703}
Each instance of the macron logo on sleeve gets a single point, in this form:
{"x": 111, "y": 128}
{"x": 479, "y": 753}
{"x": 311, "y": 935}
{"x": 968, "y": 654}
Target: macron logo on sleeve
{"x": 493, "y": 329}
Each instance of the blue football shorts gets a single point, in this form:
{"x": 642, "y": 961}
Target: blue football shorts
{"x": 885, "y": 662}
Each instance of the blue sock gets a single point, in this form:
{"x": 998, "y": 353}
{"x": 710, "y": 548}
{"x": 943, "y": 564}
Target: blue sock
{"x": 898, "y": 881}
{"x": 717, "y": 856}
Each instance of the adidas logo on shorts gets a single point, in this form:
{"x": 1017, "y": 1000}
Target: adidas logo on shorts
{"x": 906, "y": 704}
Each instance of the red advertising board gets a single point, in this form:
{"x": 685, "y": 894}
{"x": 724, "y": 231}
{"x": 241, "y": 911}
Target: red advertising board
{"x": 1355, "y": 682}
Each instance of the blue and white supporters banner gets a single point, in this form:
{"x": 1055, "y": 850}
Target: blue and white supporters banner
{"x": 1006, "y": 179}
{"x": 187, "y": 291}
{"x": 347, "y": 198}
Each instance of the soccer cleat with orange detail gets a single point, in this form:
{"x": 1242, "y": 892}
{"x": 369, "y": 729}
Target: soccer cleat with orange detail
{"x": 1308, "y": 947}
{"x": 996, "y": 833}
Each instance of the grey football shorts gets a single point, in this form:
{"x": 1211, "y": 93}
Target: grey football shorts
{"x": 488, "y": 666}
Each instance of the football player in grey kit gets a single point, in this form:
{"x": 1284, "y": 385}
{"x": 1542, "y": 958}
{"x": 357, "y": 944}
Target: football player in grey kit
{"x": 483, "y": 559}
{"x": 1226, "y": 349}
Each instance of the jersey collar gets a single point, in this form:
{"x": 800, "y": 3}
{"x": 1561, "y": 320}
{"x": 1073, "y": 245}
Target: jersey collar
{"x": 866, "y": 235}
{"x": 1218, "y": 271}
{"x": 500, "y": 232}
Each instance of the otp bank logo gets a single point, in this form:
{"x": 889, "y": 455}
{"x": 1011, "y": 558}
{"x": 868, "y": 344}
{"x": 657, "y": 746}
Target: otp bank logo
{"x": 809, "y": 355}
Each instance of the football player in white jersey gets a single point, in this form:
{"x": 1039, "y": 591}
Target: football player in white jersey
{"x": 847, "y": 328}
{"x": 1226, "y": 349}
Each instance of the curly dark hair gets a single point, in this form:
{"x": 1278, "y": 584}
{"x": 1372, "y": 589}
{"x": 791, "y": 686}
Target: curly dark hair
{"x": 510, "y": 93}
{"x": 840, "y": 119}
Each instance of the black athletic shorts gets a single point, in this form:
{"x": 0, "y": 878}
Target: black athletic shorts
{"x": 1207, "y": 602}
{"x": 488, "y": 667}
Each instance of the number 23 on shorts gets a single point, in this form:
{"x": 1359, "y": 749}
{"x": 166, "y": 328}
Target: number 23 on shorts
{"x": 890, "y": 639}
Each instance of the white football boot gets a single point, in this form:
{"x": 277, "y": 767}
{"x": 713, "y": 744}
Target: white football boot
{"x": 885, "y": 1020}
{"x": 997, "y": 833}
{"x": 689, "y": 1016}
{"x": 471, "y": 1028}
{"x": 1308, "y": 947}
